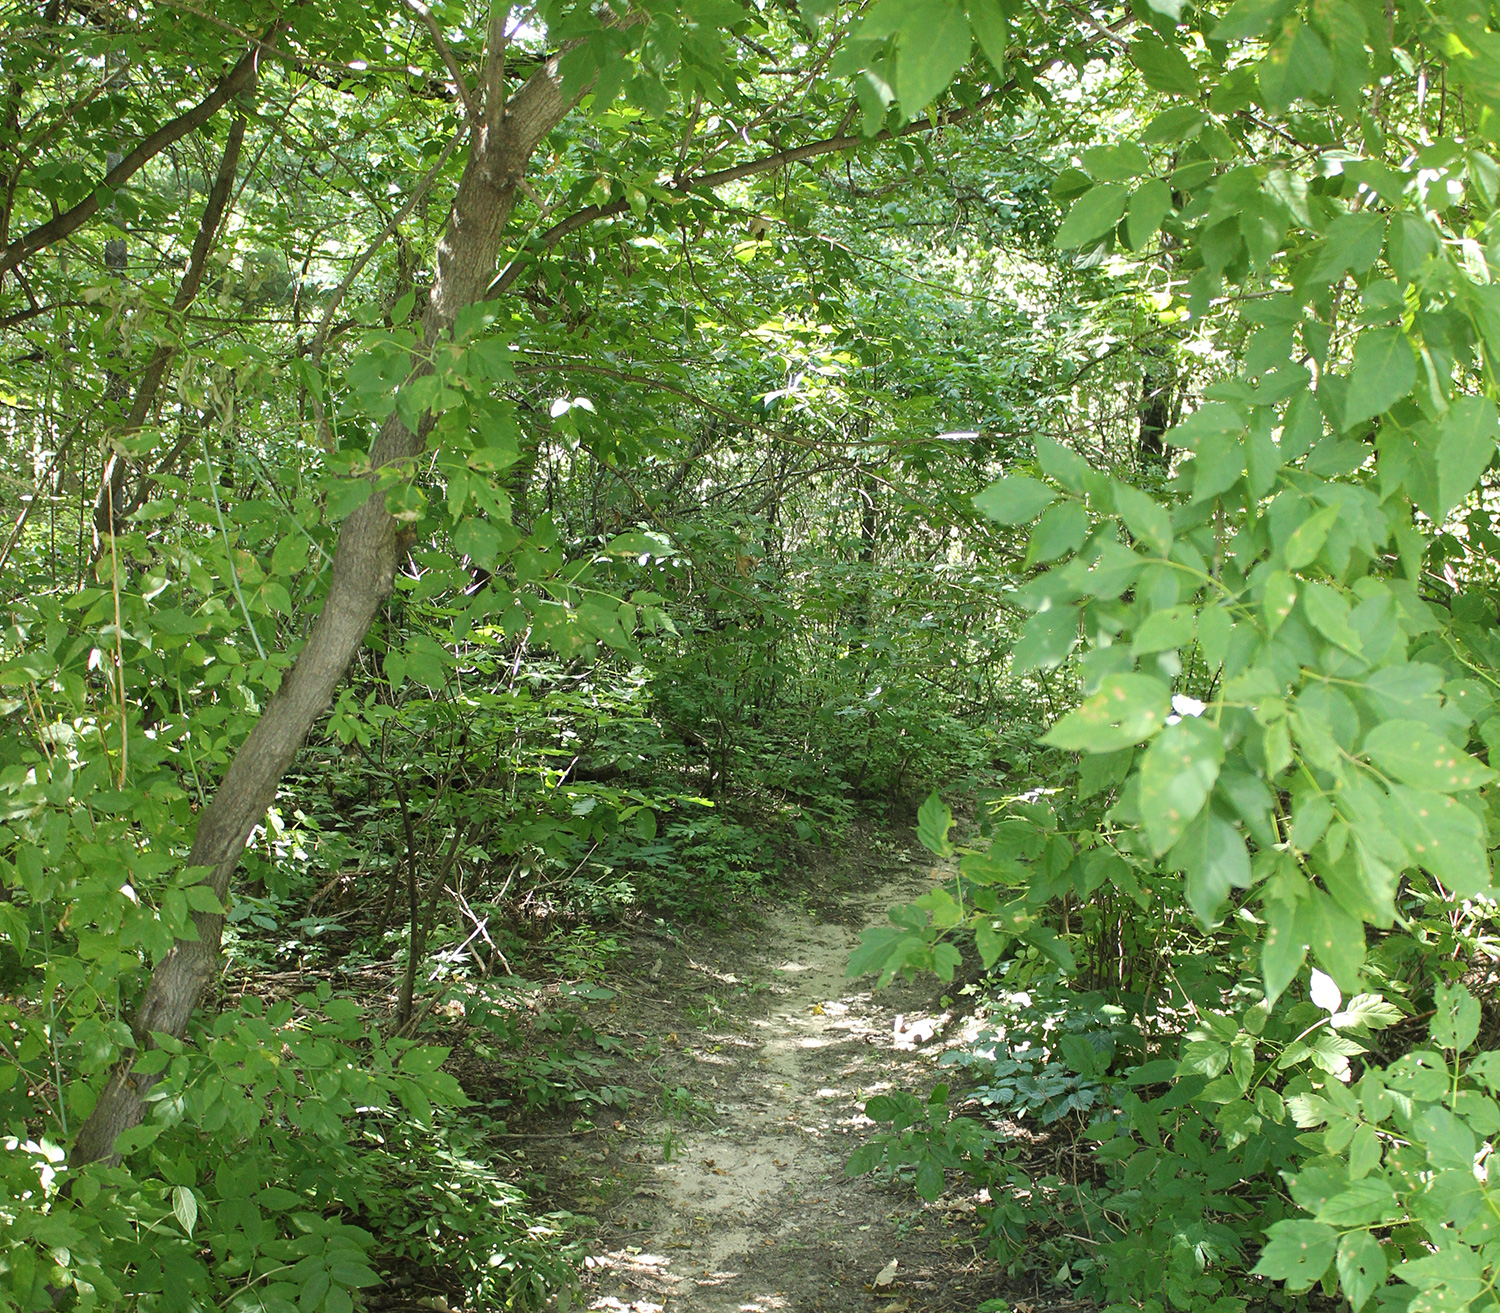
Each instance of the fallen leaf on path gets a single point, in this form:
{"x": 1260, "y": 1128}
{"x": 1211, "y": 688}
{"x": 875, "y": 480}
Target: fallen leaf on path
{"x": 887, "y": 1274}
{"x": 898, "y": 1306}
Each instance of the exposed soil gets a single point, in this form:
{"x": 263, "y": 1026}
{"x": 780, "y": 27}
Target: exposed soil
{"x": 730, "y": 1196}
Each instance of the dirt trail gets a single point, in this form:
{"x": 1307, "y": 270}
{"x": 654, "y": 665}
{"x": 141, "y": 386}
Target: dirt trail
{"x": 747, "y": 1210}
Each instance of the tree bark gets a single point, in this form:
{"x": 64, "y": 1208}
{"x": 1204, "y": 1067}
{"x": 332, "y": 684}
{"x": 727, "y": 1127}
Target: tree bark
{"x": 361, "y": 577}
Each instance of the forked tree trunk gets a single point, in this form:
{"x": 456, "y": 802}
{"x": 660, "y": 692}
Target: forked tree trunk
{"x": 363, "y": 571}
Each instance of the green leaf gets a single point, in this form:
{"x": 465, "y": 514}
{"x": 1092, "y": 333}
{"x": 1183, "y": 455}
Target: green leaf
{"x": 1298, "y": 1252}
{"x": 1046, "y": 639}
{"x": 1118, "y": 163}
{"x": 1362, "y": 1202}
{"x": 1361, "y": 1267}
{"x": 1062, "y": 463}
{"x": 1080, "y": 1055}
{"x": 1150, "y": 203}
{"x": 1442, "y": 835}
{"x": 1164, "y": 67}
{"x": 1284, "y": 948}
{"x": 1213, "y": 858}
{"x": 1127, "y": 709}
{"x": 1448, "y": 1140}
{"x": 991, "y": 29}
{"x": 1247, "y": 18}
{"x": 1338, "y": 939}
{"x": 929, "y": 1182}
{"x": 877, "y": 946}
{"x": 1385, "y": 369}
{"x": 1015, "y": 499}
{"x": 1466, "y": 445}
{"x": 932, "y": 45}
{"x": 1170, "y": 627}
{"x": 1144, "y": 518}
{"x": 1417, "y": 755}
{"x": 1296, "y": 66}
{"x": 1328, "y": 611}
{"x": 1456, "y": 1017}
{"x": 314, "y": 1289}
{"x": 934, "y": 820}
{"x": 185, "y": 1207}
{"x": 1302, "y": 548}
{"x": 1061, "y": 530}
{"x": 1279, "y": 599}
{"x": 645, "y": 824}
{"x": 1177, "y": 775}
{"x": 1092, "y": 215}
{"x": 1215, "y": 633}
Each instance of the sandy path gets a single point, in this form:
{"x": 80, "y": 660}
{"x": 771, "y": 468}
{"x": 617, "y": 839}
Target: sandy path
{"x": 751, "y": 1212}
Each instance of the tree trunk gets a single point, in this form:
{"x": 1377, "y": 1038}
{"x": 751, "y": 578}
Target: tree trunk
{"x": 361, "y": 577}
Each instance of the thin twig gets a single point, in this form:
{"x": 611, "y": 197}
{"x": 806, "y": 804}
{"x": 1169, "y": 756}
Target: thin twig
{"x": 443, "y": 49}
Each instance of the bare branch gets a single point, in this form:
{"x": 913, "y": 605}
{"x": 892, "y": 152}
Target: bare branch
{"x": 443, "y": 49}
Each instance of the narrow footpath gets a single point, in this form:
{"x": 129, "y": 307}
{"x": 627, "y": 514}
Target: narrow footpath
{"x": 737, "y": 1202}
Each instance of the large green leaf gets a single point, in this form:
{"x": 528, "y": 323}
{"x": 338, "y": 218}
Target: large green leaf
{"x": 1164, "y": 66}
{"x": 933, "y": 44}
{"x": 1385, "y": 369}
{"x": 1144, "y": 518}
{"x": 1283, "y": 948}
{"x": 1046, "y": 639}
{"x": 1328, "y": 610}
{"x": 1361, "y": 1267}
{"x": 1417, "y": 755}
{"x": 1177, "y": 776}
{"x": 1297, "y": 65}
{"x": 1442, "y": 835}
{"x": 1093, "y": 214}
{"x": 1297, "y": 1252}
{"x": 1127, "y": 709}
{"x": 1015, "y": 499}
{"x": 991, "y": 28}
{"x": 1213, "y": 859}
{"x": 1466, "y": 446}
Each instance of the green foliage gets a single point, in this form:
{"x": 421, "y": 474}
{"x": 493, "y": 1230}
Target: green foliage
{"x": 1089, "y": 414}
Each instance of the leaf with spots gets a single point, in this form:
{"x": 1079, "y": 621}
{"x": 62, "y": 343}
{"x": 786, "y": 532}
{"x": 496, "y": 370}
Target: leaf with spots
{"x": 1127, "y": 709}
{"x": 1297, "y": 1252}
{"x": 1417, "y": 755}
{"x": 1361, "y": 1267}
{"x": 1442, "y": 835}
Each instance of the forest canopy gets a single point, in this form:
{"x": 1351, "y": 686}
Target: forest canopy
{"x": 472, "y": 477}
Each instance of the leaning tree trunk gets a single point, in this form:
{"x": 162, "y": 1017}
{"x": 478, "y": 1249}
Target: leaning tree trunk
{"x": 363, "y": 571}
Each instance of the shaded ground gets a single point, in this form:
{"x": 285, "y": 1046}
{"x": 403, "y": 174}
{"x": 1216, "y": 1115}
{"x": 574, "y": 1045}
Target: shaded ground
{"x": 734, "y": 1200}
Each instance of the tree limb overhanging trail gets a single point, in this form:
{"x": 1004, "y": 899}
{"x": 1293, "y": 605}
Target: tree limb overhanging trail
{"x": 361, "y": 577}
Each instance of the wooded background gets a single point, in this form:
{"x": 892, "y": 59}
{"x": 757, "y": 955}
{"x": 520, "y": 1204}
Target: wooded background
{"x": 477, "y": 475}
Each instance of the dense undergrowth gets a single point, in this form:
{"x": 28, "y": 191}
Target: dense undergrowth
{"x": 484, "y": 481}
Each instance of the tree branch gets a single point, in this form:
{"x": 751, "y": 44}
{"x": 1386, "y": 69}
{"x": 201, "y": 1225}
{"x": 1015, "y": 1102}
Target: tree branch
{"x": 792, "y": 155}
{"x": 69, "y": 221}
{"x": 110, "y": 506}
{"x": 446, "y": 51}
